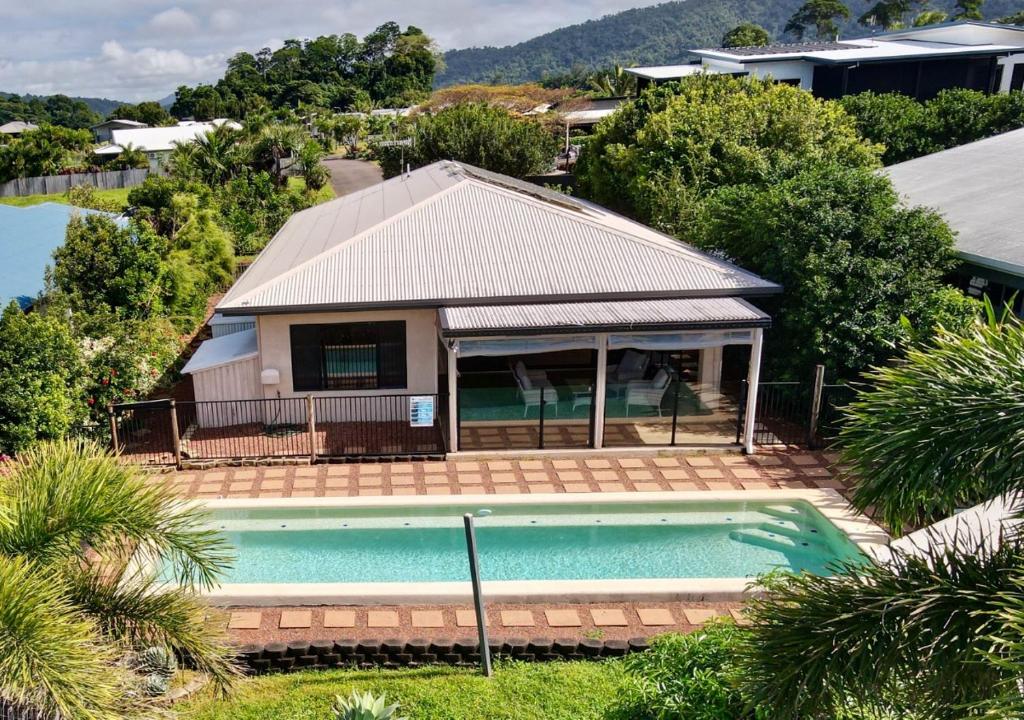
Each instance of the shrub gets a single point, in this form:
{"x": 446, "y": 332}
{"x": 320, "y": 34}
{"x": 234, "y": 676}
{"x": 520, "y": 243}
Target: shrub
{"x": 686, "y": 677}
{"x": 85, "y": 196}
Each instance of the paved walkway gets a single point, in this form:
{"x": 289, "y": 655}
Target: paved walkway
{"x": 348, "y": 176}
{"x": 764, "y": 470}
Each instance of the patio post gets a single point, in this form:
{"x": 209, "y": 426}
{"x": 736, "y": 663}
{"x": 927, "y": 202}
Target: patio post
{"x": 453, "y": 399}
{"x": 753, "y": 378}
{"x": 600, "y": 388}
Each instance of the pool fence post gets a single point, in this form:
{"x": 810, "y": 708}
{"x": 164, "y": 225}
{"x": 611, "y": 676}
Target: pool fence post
{"x": 816, "y": 390}
{"x": 175, "y": 434}
{"x": 478, "y": 596}
{"x": 311, "y": 422}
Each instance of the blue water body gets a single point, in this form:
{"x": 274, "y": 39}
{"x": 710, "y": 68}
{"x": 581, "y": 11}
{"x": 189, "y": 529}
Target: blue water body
{"x": 664, "y": 540}
{"x": 28, "y": 237}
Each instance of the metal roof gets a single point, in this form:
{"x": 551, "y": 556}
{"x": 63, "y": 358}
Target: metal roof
{"x": 693, "y": 313}
{"x": 785, "y": 48}
{"x": 15, "y": 127}
{"x": 160, "y": 139}
{"x": 978, "y": 189}
{"x": 666, "y": 72}
{"x": 451, "y": 234}
{"x": 222, "y": 351}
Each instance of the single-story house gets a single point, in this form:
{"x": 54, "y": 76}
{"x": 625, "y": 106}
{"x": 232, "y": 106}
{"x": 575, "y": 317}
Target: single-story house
{"x": 159, "y": 142}
{"x": 506, "y": 314}
{"x": 103, "y": 132}
{"x": 919, "y": 61}
{"x": 15, "y": 128}
{"x": 977, "y": 188}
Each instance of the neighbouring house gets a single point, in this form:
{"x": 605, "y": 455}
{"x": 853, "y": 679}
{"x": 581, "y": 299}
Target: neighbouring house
{"x": 159, "y": 142}
{"x": 495, "y": 313}
{"x": 16, "y": 127}
{"x": 978, "y": 189}
{"x": 919, "y": 62}
{"x": 103, "y": 132}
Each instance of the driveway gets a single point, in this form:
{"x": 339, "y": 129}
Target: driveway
{"x": 348, "y": 176}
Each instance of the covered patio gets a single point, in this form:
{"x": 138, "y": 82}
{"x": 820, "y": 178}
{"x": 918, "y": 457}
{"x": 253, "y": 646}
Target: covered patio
{"x": 597, "y": 374}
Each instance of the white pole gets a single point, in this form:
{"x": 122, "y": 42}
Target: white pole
{"x": 600, "y": 387}
{"x": 453, "y": 401}
{"x": 753, "y": 378}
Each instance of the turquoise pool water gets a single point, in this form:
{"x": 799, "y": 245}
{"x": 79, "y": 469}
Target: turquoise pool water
{"x": 536, "y": 542}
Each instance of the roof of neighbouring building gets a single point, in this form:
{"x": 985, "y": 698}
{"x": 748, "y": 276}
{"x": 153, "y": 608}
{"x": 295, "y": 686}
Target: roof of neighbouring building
{"x": 222, "y": 350}
{"x": 665, "y": 72}
{"x": 978, "y": 189}
{"x": 622, "y": 316}
{"x": 159, "y": 139}
{"x": 452, "y": 234}
{"x": 118, "y": 122}
{"x": 15, "y": 127}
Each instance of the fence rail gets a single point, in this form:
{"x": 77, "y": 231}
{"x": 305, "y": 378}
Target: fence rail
{"x": 57, "y": 184}
{"x": 165, "y": 432}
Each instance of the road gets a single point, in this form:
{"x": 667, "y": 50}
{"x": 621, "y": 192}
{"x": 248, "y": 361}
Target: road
{"x": 347, "y": 176}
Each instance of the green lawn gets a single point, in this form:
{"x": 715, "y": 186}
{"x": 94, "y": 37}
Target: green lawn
{"x": 545, "y": 691}
{"x": 298, "y": 185}
{"x": 119, "y": 195}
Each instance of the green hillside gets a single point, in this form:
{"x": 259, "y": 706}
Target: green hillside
{"x": 655, "y": 35}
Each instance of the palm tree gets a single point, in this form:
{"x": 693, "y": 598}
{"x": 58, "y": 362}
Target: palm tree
{"x": 87, "y": 547}
{"x": 215, "y": 155}
{"x": 309, "y": 162}
{"x": 131, "y": 157}
{"x": 614, "y": 83}
{"x": 274, "y": 143}
{"x": 938, "y": 636}
{"x": 819, "y": 14}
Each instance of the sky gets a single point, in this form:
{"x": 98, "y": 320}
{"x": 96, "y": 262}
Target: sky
{"x": 134, "y": 50}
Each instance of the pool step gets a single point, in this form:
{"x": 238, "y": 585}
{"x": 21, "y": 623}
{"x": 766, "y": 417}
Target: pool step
{"x": 775, "y": 541}
{"x": 785, "y": 512}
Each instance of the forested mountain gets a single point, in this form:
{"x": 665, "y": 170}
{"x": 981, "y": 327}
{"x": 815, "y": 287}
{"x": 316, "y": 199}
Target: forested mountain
{"x": 73, "y": 112}
{"x": 655, "y": 35}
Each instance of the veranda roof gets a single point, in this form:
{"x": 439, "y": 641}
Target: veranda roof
{"x": 450, "y": 234}
{"x": 222, "y": 351}
{"x": 625, "y": 316}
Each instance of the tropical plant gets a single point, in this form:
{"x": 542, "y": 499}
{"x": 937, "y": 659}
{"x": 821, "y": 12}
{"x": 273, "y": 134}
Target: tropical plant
{"x": 1015, "y": 19}
{"x": 80, "y": 536}
{"x": 615, "y": 82}
{"x": 933, "y": 635}
{"x": 212, "y": 158}
{"x": 943, "y": 428}
{"x": 686, "y": 677}
{"x": 272, "y": 145}
{"x": 930, "y": 17}
{"x": 309, "y": 161}
{"x": 746, "y": 35}
{"x": 130, "y": 158}
{"x": 968, "y": 10}
{"x": 888, "y": 14}
{"x": 820, "y": 15}
{"x": 364, "y": 706}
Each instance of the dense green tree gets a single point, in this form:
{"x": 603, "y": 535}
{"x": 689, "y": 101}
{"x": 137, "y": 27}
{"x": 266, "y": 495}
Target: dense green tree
{"x": 70, "y": 627}
{"x": 309, "y": 162}
{"x": 151, "y": 113}
{"x": 659, "y": 156}
{"x": 852, "y": 262}
{"x": 40, "y": 379}
{"x": 1015, "y": 19}
{"x": 46, "y": 151}
{"x": 483, "y": 135}
{"x": 930, "y": 17}
{"x": 968, "y": 10}
{"x": 103, "y": 267}
{"x": 253, "y": 208}
{"x": 821, "y": 15}
{"x": 746, "y": 35}
{"x": 888, "y": 14}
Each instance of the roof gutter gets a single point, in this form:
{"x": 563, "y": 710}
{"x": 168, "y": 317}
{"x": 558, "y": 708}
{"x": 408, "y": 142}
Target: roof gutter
{"x": 605, "y": 328}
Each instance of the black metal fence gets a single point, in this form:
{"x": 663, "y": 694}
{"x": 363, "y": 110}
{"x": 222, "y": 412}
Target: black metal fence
{"x": 164, "y": 432}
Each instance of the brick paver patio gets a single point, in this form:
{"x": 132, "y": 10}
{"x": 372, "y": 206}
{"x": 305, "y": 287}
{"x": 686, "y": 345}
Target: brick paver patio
{"x": 592, "y": 473}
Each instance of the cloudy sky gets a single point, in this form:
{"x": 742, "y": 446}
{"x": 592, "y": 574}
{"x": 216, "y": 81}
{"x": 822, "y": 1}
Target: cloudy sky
{"x": 143, "y": 49}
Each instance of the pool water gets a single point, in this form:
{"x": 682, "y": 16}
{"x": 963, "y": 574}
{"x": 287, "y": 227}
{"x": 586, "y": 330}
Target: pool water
{"x": 536, "y": 542}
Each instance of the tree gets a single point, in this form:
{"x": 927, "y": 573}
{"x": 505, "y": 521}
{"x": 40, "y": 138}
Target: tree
{"x": 852, "y": 262}
{"x": 490, "y": 137}
{"x": 888, "y": 14}
{"x": 71, "y": 627}
{"x": 104, "y": 267}
{"x": 272, "y": 144}
{"x": 310, "y": 163}
{"x": 151, "y": 113}
{"x": 1015, "y": 19}
{"x": 968, "y": 10}
{"x": 40, "y": 379}
{"x": 896, "y": 121}
{"x": 819, "y": 14}
{"x": 930, "y": 17}
{"x": 658, "y": 157}
{"x": 746, "y": 35}
{"x": 129, "y": 158}
{"x": 614, "y": 83}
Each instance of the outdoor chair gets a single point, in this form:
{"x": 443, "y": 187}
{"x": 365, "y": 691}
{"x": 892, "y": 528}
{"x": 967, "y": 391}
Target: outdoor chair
{"x": 648, "y": 393}
{"x": 530, "y": 383}
{"x": 632, "y": 366}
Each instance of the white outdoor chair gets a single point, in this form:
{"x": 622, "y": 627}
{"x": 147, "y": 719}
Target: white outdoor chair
{"x": 530, "y": 383}
{"x": 648, "y": 393}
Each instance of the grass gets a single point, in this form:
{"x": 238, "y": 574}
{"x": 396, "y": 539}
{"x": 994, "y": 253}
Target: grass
{"x": 552, "y": 691}
{"x": 118, "y": 195}
{"x": 298, "y": 185}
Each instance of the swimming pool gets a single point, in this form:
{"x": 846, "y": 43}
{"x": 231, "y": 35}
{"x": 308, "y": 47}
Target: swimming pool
{"x": 526, "y": 542}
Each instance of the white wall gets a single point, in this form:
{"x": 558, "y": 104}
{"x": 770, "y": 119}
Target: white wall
{"x": 234, "y": 381}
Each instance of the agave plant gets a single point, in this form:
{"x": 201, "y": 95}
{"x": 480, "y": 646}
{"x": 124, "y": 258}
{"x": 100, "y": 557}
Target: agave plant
{"x": 364, "y": 706}
{"x": 87, "y": 547}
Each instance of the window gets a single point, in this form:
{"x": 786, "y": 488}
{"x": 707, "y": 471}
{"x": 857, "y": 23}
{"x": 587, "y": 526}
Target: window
{"x": 348, "y": 356}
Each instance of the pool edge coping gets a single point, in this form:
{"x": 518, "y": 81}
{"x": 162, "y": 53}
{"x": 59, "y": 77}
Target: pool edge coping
{"x": 861, "y": 531}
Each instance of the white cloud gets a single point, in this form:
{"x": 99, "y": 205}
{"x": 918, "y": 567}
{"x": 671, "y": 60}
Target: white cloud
{"x": 224, "y": 19}
{"x": 174, "y": 21}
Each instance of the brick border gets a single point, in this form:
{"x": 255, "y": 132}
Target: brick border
{"x": 393, "y": 654}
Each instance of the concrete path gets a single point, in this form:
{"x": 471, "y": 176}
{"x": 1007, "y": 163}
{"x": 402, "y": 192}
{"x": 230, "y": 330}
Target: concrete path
{"x": 348, "y": 176}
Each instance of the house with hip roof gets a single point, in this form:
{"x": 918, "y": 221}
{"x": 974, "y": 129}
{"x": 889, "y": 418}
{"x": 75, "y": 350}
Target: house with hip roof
{"x": 501, "y": 313}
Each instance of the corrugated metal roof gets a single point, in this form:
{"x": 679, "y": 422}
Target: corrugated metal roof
{"x": 223, "y": 350}
{"x": 977, "y": 188}
{"x": 450, "y": 234}
{"x": 601, "y": 316}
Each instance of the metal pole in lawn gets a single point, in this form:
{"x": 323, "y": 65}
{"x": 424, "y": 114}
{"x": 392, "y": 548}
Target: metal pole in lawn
{"x": 478, "y": 596}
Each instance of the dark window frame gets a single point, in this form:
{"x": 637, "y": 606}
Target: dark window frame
{"x": 366, "y": 356}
